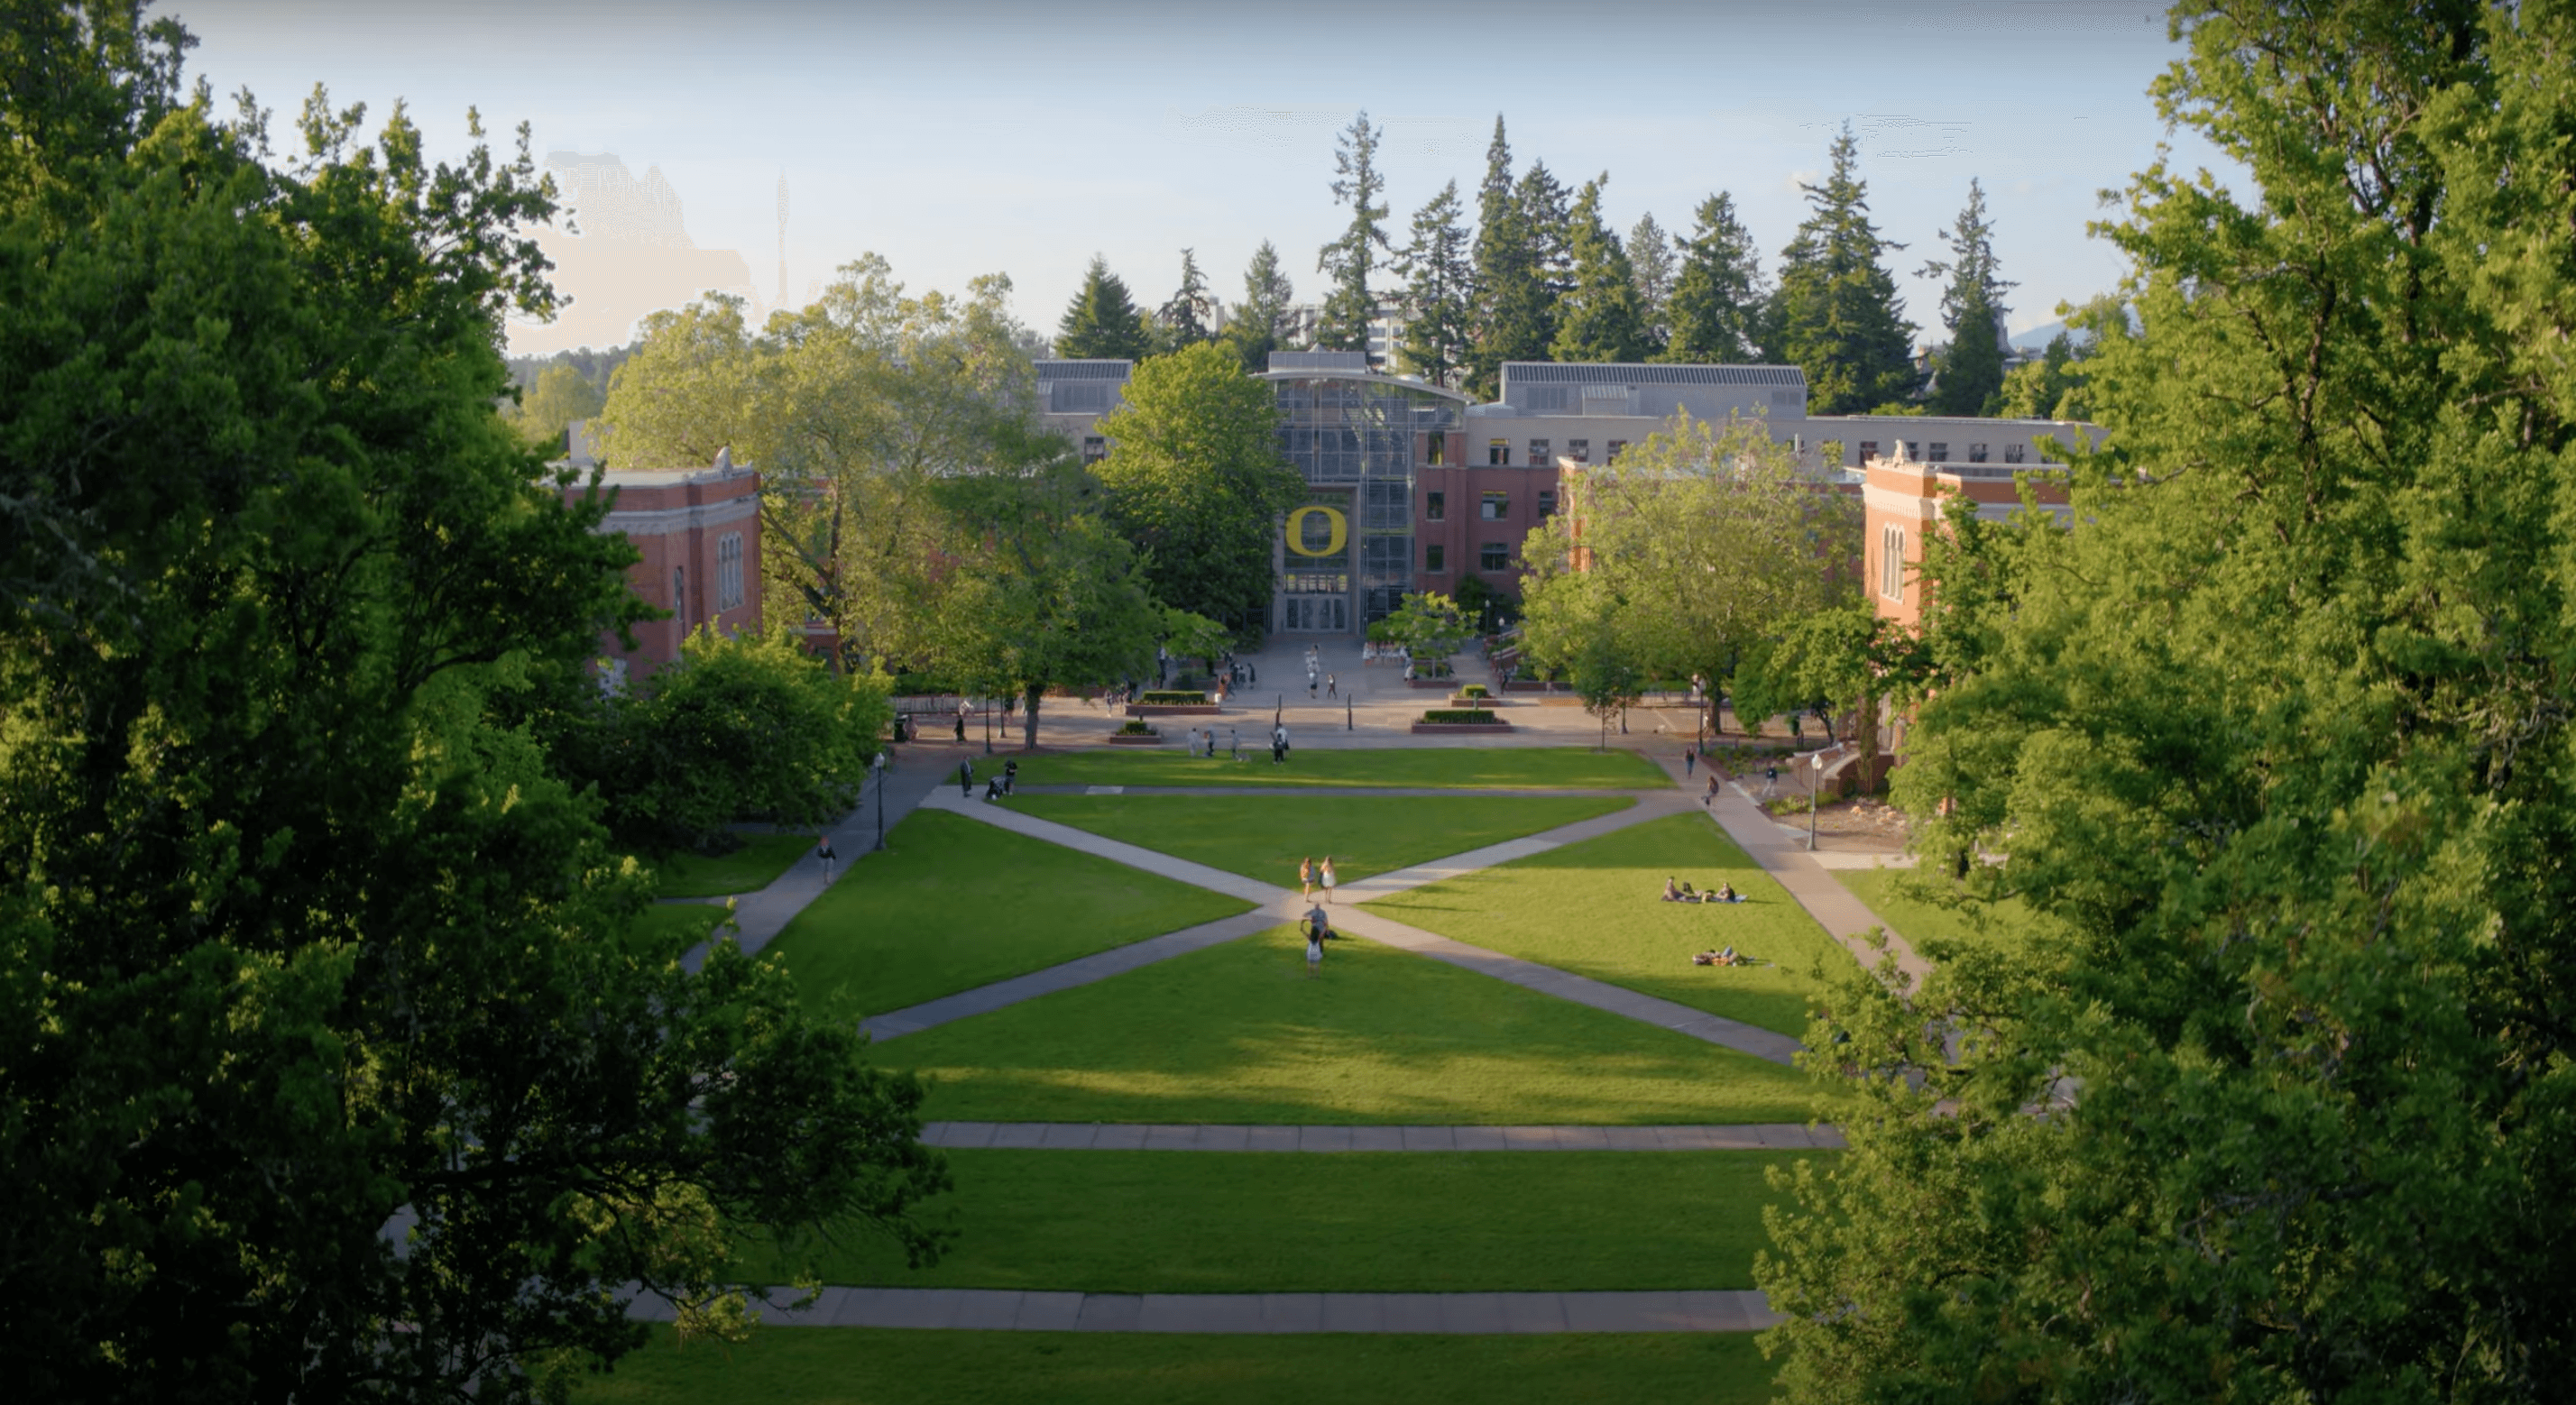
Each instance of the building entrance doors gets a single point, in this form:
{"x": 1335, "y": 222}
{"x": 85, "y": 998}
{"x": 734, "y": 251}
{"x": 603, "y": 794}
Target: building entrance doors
{"x": 1315, "y": 614}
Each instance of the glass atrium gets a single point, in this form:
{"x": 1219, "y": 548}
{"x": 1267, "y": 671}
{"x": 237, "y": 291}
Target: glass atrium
{"x": 1356, "y": 437}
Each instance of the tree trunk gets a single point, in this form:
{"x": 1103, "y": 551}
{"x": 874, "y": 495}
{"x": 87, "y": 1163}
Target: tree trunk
{"x": 1029, "y": 718}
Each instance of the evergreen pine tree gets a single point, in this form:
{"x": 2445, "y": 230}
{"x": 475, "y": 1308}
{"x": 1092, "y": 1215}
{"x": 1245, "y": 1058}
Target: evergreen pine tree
{"x": 1650, "y": 253}
{"x": 1190, "y": 316}
{"x": 1102, "y": 320}
{"x": 1715, "y": 312}
{"x": 1972, "y": 369}
{"x": 1503, "y": 264}
{"x": 1837, "y": 312}
{"x": 1598, "y": 318}
{"x": 1438, "y": 272}
{"x": 1350, "y": 306}
{"x": 1259, "y": 323}
{"x": 1544, "y": 206}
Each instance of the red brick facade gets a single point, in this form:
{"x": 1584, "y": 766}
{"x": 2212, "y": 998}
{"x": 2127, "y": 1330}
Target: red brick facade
{"x": 698, "y": 532}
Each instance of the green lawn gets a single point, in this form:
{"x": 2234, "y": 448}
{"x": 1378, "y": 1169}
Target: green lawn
{"x": 1595, "y": 909}
{"x": 748, "y": 869}
{"x": 1240, "y": 1033}
{"x": 1504, "y": 768}
{"x": 692, "y": 920}
{"x": 1378, "y": 1222}
{"x": 957, "y": 903}
{"x": 1265, "y": 836}
{"x": 851, "y": 1365}
{"x": 1920, "y": 920}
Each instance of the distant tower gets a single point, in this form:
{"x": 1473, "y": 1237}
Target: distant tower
{"x": 782, "y": 239}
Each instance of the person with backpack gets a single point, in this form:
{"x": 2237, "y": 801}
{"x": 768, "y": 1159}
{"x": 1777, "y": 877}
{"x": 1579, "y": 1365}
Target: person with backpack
{"x": 823, "y": 851}
{"x": 965, "y": 773}
{"x": 1010, "y": 774}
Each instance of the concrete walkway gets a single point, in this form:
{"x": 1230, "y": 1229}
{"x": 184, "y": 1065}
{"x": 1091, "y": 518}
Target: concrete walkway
{"x": 1082, "y": 970}
{"x": 1129, "y": 1136}
{"x": 1286, "y": 906}
{"x": 1473, "y": 1314}
{"x": 1844, "y": 917}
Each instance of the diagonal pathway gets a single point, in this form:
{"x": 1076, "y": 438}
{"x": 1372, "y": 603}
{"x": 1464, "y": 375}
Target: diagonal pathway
{"x": 1330, "y": 792}
{"x": 1477, "y": 1314}
{"x": 1844, "y": 917}
{"x": 1284, "y": 905}
{"x": 1132, "y": 1136}
{"x": 1098, "y": 966}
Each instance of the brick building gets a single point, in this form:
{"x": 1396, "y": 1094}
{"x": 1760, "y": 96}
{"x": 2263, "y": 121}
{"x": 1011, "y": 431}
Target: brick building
{"x": 698, "y": 532}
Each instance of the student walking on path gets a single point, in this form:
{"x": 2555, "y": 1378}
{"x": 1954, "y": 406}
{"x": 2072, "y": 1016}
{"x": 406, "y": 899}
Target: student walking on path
{"x": 1690, "y": 758}
{"x": 1010, "y": 774}
{"x": 965, "y": 778}
{"x": 1325, "y": 876}
{"x": 1710, "y": 799}
{"x": 1331, "y": 686}
{"x": 823, "y": 851}
{"x": 1306, "y": 879}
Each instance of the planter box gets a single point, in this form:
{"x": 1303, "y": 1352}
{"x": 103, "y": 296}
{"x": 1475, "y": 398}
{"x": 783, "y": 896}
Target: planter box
{"x": 1462, "y": 700}
{"x": 1467, "y": 728}
{"x": 1173, "y": 709}
{"x": 1131, "y": 739}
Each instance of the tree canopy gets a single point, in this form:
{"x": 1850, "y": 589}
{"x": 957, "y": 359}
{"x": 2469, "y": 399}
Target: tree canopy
{"x": 1350, "y": 304}
{"x": 1717, "y": 303}
{"x": 1439, "y": 278}
{"x": 2271, "y": 748}
{"x": 1102, "y": 320}
{"x": 1260, "y": 321}
{"x": 1835, "y": 315}
{"x": 340, "y": 1069}
{"x": 1189, "y": 315}
{"x": 1972, "y": 307}
{"x": 1598, "y": 319}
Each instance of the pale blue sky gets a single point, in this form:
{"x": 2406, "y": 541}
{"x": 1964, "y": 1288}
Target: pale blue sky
{"x": 993, "y": 135}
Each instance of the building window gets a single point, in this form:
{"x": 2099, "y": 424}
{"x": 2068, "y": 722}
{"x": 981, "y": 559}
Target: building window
{"x": 1435, "y": 506}
{"x": 1094, "y": 448}
{"x": 1891, "y": 562}
{"x": 1580, "y": 450}
{"x": 1976, "y": 453}
{"x": 1539, "y": 456}
{"x": 1497, "y": 556}
{"x": 1498, "y": 453}
{"x": 1497, "y": 507}
{"x": 1435, "y": 446}
{"x": 729, "y": 572}
{"x": 680, "y": 598}
{"x": 2012, "y": 453}
{"x": 1940, "y": 453}
{"x": 1617, "y": 447}
{"x": 1435, "y": 557}
{"x": 1869, "y": 451}
{"x": 1546, "y": 504}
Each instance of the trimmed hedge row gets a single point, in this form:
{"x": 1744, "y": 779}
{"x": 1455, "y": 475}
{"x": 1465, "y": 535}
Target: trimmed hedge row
{"x": 1459, "y": 714}
{"x": 1170, "y": 697}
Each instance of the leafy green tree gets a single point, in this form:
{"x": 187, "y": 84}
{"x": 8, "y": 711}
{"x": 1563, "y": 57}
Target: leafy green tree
{"x": 746, "y": 728}
{"x": 1349, "y": 306}
{"x": 1716, "y": 309}
{"x": 2271, "y": 745}
{"x": 1189, "y": 317}
{"x": 1650, "y": 254}
{"x": 1196, "y": 483}
{"x": 338, "y": 1067}
{"x": 1429, "y": 625}
{"x": 1972, "y": 307}
{"x": 1826, "y": 664}
{"x": 1836, "y": 312}
{"x": 1696, "y": 545}
{"x": 1102, "y": 320}
{"x": 2057, "y": 384}
{"x": 1438, "y": 277}
{"x": 1598, "y": 319}
{"x": 559, "y": 397}
{"x": 1259, "y": 323}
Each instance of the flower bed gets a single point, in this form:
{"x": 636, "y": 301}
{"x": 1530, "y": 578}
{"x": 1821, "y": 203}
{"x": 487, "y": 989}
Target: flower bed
{"x": 1460, "y": 714}
{"x": 1135, "y": 734}
{"x": 1168, "y": 696}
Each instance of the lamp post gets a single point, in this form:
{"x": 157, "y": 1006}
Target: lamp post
{"x": 881, "y": 770}
{"x": 1815, "y": 790}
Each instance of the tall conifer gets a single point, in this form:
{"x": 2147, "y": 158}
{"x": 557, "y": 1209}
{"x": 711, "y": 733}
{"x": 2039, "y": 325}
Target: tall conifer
{"x": 1598, "y": 318}
{"x": 1190, "y": 316}
{"x": 1715, "y": 312}
{"x": 1350, "y": 306}
{"x": 1502, "y": 265}
{"x": 1650, "y": 253}
{"x": 1972, "y": 307}
{"x": 1259, "y": 324}
{"x": 1102, "y": 320}
{"x": 1438, "y": 272}
{"x": 1838, "y": 316}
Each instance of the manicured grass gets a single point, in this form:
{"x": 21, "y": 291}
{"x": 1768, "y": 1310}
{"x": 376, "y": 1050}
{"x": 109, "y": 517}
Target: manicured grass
{"x": 849, "y": 1365}
{"x": 691, "y": 920}
{"x": 748, "y": 869}
{"x": 1505, "y": 768}
{"x": 1265, "y": 836}
{"x": 1381, "y": 1222}
{"x": 1920, "y": 920}
{"x": 957, "y": 903}
{"x": 1240, "y": 1033}
{"x": 1595, "y": 909}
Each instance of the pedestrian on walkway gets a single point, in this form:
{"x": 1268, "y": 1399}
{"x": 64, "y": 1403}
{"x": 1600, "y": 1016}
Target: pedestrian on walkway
{"x": 823, "y": 851}
{"x": 1770, "y": 779}
{"x": 1690, "y": 758}
{"x": 1711, "y": 798}
{"x": 1306, "y": 879}
{"x": 1331, "y": 685}
{"x": 961, "y": 721}
{"x": 1010, "y": 774}
{"x": 965, "y": 771}
{"x": 1310, "y": 685}
{"x": 1233, "y": 744}
{"x": 1325, "y": 876}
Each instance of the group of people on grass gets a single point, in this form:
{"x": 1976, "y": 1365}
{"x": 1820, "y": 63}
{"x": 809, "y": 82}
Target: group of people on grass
{"x": 1684, "y": 893}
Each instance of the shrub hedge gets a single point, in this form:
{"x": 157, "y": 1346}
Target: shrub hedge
{"x": 1459, "y": 714}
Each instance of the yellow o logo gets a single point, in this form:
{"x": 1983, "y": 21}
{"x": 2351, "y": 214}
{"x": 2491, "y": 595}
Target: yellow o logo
{"x": 1340, "y": 527}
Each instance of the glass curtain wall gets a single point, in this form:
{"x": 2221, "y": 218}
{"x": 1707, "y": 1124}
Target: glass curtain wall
{"x": 1353, "y": 438}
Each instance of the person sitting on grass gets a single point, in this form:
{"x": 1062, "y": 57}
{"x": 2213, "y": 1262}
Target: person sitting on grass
{"x": 1726, "y": 957}
{"x": 1689, "y": 894}
{"x": 1671, "y": 893}
{"x": 1726, "y": 893}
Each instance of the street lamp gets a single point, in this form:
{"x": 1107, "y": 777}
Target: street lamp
{"x": 881, "y": 769}
{"x": 1815, "y": 791}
